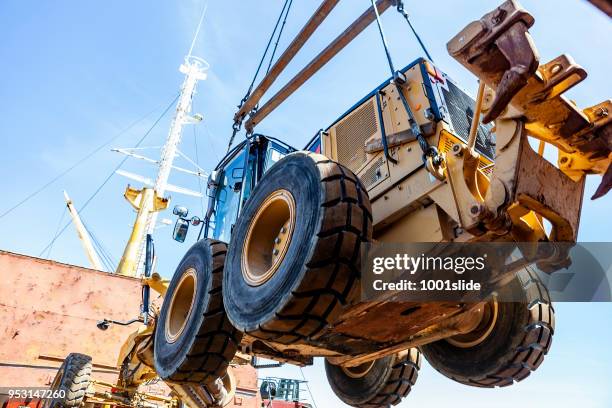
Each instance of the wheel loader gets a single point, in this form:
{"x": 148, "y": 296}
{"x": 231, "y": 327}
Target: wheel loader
{"x": 278, "y": 271}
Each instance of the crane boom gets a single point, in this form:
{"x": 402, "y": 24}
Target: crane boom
{"x": 84, "y": 237}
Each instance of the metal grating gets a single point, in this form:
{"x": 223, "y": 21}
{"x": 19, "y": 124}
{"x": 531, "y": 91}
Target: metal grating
{"x": 461, "y": 109}
{"x": 373, "y": 174}
{"x": 352, "y": 133}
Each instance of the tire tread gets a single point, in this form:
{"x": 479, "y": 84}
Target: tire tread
{"x": 536, "y": 341}
{"x": 333, "y": 274}
{"x": 403, "y": 376}
{"x": 217, "y": 340}
{"x": 74, "y": 381}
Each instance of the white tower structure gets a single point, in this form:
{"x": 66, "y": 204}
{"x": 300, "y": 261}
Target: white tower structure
{"x": 150, "y": 200}
{"x": 194, "y": 69}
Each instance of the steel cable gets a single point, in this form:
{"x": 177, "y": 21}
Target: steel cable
{"x": 238, "y": 123}
{"x": 142, "y": 139}
{"x": 79, "y": 162}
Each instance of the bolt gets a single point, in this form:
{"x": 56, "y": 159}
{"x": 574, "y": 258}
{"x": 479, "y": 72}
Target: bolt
{"x": 429, "y": 114}
{"x": 475, "y": 209}
{"x": 601, "y": 112}
{"x": 275, "y": 252}
{"x": 283, "y": 230}
{"x": 499, "y": 16}
{"x": 457, "y": 151}
{"x": 277, "y": 240}
{"x": 555, "y": 69}
{"x": 564, "y": 159}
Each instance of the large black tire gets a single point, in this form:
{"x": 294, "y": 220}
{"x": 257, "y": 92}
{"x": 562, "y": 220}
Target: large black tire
{"x": 72, "y": 380}
{"x": 201, "y": 351}
{"x": 516, "y": 346}
{"x": 388, "y": 380}
{"x": 320, "y": 272}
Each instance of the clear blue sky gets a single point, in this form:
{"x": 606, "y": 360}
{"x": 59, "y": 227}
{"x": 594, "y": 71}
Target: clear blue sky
{"x": 75, "y": 73}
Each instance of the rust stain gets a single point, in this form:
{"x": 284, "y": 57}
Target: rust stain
{"x": 54, "y": 307}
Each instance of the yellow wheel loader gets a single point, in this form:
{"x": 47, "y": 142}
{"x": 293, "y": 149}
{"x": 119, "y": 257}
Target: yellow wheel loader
{"x": 279, "y": 269}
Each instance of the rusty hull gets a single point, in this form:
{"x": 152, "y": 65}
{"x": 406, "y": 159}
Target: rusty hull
{"x": 50, "y": 309}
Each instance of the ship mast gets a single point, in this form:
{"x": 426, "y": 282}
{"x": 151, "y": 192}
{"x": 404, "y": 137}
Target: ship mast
{"x": 194, "y": 69}
{"x": 149, "y": 201}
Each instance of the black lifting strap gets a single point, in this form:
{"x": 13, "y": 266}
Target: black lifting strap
{"x": 284, "y": 12}
{"x": 398, "y": 78}
{"x": 400, "y": 9}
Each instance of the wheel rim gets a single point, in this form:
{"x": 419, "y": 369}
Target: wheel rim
{"x": 268, "y": 238}
{"x": 229, "y": 383}
{"x": 489, "y": 313}
{"x": 181, "y": 305}
{"x": 359, "y": 371}
{"x": 57, "y": 380}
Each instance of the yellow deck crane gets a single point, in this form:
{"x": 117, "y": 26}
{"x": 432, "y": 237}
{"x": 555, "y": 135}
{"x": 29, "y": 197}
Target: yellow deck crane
{"x": 91, "y": 253}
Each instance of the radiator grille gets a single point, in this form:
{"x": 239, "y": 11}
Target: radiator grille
{"x": 352, "y": 133}
{"x": 461, "y": 109}
{"x": 373, "y": 174}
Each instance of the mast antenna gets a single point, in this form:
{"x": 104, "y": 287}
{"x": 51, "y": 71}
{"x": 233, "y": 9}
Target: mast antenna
{"x": 195, "y": 36}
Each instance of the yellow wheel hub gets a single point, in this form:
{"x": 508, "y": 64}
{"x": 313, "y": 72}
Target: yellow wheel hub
{"x": 489, "y": 313}
{"x": 181, "y": 305}
{"x": 359, "y": 371}
{"x": 268, "y": 238}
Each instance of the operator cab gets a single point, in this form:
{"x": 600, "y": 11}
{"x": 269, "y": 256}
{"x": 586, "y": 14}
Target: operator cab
{"x": 232, "y": 181}
{"x": 237, "y": 174}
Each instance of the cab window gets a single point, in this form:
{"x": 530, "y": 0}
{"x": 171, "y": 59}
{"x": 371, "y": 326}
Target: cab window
{"x": 274, "y": 154}
{"x": 228, "y": 198}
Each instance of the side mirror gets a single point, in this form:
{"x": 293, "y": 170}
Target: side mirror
{"x": 180, "y": 230}
{"x": 180, "y": 211}
{"x": 103, "y": 324}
